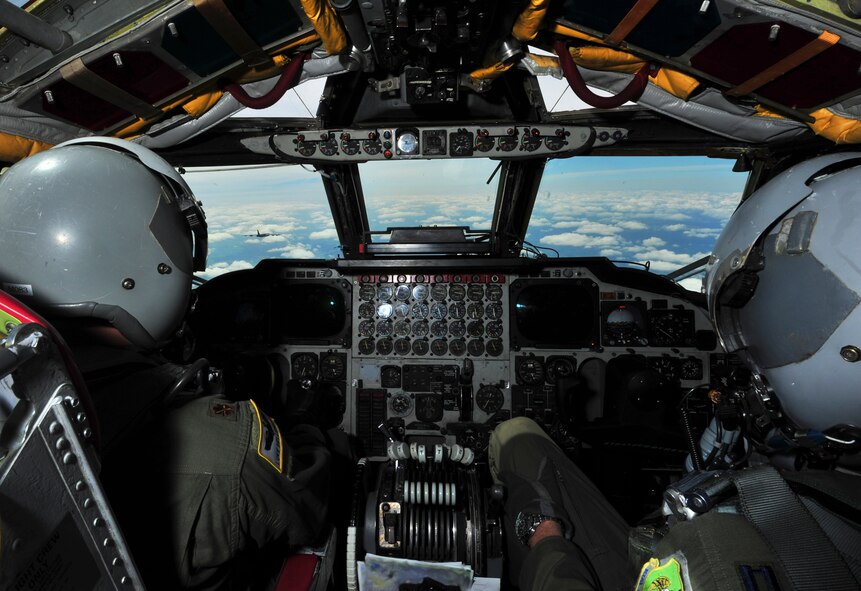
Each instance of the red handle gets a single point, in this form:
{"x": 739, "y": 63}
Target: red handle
{"x": 632, "y": 92}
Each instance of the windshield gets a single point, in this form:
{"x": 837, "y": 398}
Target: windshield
{"x": 664, "y": 211}
{"x": 429, "y": 193}
{"x": 263, "y": 212}
{"x": 667, "y": 211}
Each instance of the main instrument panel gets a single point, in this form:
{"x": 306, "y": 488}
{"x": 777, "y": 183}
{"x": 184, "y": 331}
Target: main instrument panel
{"x": 446, "y": 354}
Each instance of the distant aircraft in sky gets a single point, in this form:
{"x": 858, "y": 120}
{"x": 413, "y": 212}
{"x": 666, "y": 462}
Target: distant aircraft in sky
{"x": 259, "y": 235}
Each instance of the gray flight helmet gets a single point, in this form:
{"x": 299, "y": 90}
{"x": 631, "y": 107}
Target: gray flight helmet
{"x": 783, "y": 288}
{"x": 102, "y": 228}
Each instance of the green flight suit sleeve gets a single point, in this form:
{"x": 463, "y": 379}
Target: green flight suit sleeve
{"x": 556, "y": 564}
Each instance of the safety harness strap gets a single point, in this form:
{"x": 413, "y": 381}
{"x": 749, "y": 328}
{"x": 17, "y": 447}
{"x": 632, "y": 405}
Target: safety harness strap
{"x": 809, "y": 558}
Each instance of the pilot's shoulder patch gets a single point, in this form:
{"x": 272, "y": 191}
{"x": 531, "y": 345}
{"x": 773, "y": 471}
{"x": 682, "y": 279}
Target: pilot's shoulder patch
{"x": 222, "y": 409}
{"x": 663, "y": 575}
{"x": 269, "y": 444}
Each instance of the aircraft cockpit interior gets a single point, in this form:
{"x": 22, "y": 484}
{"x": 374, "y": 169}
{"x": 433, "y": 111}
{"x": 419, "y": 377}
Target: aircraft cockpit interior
{"x": 480, "y": 211}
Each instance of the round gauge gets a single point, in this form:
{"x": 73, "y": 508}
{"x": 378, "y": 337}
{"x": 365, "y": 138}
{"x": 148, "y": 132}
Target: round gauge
{"x": 457, "y": 328}
{"x": 671, "y": 328}
{"x": 366, "y": 346}
{"x": 384, "y": 346}
{"x": 372, "y": 147}
{"x": 402, "y": 328}
{"x": 420, "y": 328}
{"x": 351, "y": 147}
{"x": 493, "y": 329}
{"x": 366, "y": 328}
{"x": 407, "y": 143}
{"x": 401, "y": 404}
{"x": 624, "y": 326}
{"x": 329, "y": 147}
{"x": 439, "y": 347}
{"x": 390, "y": 376}
{"x": 457, "y": 292}
{"x": 402, "y": 310}
{"x": 402, "y": 347}
{"x": 495, "y": 347}
{"x": 691, "y": 369}
{"x": 402, "y": 292}
{"x": 475, "y": 328}
{"x": 530, "y": 370}
{"x": 530, "y": 143}
{"x": 367, "y": 292}
{"x": 460, "y": 143}
{"x": 366, "y": 310}
{"x": 385, "y": 328}
{"x": 385, "y": 310}
{"x": 475, "y": 347}
{"x": 559, "y": 367}
{"x": 475, "y": 292}
{"x": 384, "y": 292}
{"x": 475, "y": 311}
{"x": 494, "y": 292}
{"x": 332, "y": 367}
{"x": 554, "y": 143}
{"x": 494, "y": 311}
{"x": 484, "y": 143}
{"x": 438, "y": 311}
{"x": 420, "y": 292}
{"x": 438, "y": 292}
{"x": 507, "y": 143}
{"x": 420, "y": 310}
{"x": 457, "y": 347}
{"x": 457, "y": 310}
{"x": 439, "y": 328}
{"x": 305, "y": 366}
{"x": 489, "y": 399}
{"x": 306, "y": 148}
{"x": 667, "y": 367}
{"x": 420, "y": 347}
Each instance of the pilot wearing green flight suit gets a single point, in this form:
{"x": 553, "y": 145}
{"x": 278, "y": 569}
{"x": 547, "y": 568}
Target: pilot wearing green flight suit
{"x": 237, "y": 491}
{"x": 102, "y": 238}
{"x": 784, "y": 293}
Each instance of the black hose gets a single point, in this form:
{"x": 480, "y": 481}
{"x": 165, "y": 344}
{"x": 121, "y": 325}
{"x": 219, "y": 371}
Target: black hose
{"x": 693, "y": 446}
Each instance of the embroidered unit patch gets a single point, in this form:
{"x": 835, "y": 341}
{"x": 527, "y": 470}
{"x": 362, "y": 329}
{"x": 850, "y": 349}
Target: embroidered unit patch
{"x": 223, "y": 410}
{"x": 269, "y": 445}
{"x": 658, "y": 576}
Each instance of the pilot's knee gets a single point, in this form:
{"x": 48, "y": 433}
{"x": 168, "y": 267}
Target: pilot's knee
{"x": 502, "y": 436}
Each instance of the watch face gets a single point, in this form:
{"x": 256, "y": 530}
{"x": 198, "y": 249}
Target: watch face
{"x": 525, "y": 525}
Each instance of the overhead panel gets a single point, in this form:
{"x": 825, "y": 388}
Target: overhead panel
{"x": 190, "y": 39}
{"x": 140, "y": 74}
{"x": 266, "y": 21}
{"x": 669, "y": 28}
{"x": 744, "y": 51}
{"x": 67, "y": 101}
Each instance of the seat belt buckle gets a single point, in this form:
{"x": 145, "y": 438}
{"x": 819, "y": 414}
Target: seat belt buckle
{"x": 696, "y": 493}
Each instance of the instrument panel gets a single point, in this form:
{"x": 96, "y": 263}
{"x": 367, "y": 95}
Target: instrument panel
{"x": 418, "y": 352}
{"x": 399, "y": 143}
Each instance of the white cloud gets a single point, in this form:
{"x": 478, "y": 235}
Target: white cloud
{"x": 567, "y": 224}
{"x": 599, "y": 228}
{"x": 663, "y": 260}
{"x": 223, "y": 267}
{"x": 296, "y": 251}
{"x": 675, "y": 227}
{"x": 631, "y": 225}
{"x": 653, "y": 242}
{"x": 703, "y": 232}
{"x": 323, "y": 234}
{"x": 216, "y": 236}
{"x": 579, "y": 240}
{"x": 610, "y": 252}
{"x": 693, "y": 284}
{"x": 266, "y": 239}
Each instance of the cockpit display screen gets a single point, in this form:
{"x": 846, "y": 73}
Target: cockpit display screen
{"x": 561, "y": 314}
{"x": 311, "y": 311}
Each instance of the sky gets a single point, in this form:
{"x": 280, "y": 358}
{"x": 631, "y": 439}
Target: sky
{"x": 664, "y": 210}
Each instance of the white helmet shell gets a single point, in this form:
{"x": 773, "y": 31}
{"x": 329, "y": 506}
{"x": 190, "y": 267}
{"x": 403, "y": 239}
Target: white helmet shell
{"x": 784, "y": 287}
{"x": 96, "y": 228}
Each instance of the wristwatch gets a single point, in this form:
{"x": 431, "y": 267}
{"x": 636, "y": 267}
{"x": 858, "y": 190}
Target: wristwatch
{"x": 525, "y": 525}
